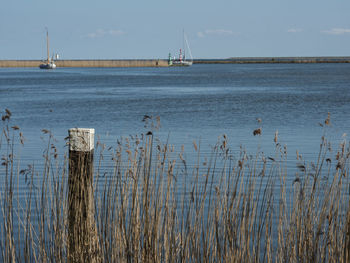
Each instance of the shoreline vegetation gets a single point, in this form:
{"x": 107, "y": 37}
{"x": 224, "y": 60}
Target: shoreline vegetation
{"x": 151, "y": 206}
{"x": 164, "y": 62}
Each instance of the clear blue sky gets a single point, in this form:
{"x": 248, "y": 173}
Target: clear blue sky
{"x": 111, "y": 29}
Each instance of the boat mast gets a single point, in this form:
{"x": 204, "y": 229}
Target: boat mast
{"x": 183, "y": 43}
{"x": 188, "y": 46}
{"x": 47, "y": 45}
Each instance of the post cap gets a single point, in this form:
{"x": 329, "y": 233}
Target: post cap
{"x": 81, "y": 139}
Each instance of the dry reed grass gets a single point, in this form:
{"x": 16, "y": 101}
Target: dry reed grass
{"x": 152, "y": 207}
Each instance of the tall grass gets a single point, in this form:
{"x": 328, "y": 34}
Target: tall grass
{"x": 151, "y": 205}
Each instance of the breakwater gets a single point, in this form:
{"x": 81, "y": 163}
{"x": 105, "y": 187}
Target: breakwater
{"x": 93, "y": 63}
{"x": 111, "y": 63}
{"x": 257, "y": 60}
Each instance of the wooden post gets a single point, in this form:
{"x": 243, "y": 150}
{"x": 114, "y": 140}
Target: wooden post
{"x": 82, "y": 233}
{"x": 347, "y": 237}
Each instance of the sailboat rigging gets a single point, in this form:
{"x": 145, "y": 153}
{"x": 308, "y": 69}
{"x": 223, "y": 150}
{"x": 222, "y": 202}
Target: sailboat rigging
{"x": 49, "y": 64}
{"x": 182, "y": 61}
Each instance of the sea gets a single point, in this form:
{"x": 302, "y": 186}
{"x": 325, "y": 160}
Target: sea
{"x": 196, "y": 105}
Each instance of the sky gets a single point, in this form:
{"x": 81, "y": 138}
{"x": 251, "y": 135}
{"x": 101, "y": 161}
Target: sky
{"x": 131, "y": 29}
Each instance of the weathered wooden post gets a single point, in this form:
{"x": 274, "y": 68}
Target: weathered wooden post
{"x": 347, "y": 237}
{"x": 82, "y": 234}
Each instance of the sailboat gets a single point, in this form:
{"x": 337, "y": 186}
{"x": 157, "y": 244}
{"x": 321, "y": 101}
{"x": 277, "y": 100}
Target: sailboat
{"x": 182, "y": 61}
{"x": 49, "y": 64}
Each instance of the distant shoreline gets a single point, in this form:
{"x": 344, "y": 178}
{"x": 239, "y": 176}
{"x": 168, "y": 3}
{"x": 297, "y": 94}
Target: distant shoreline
{"x": 256, "y": 60}
{"x": 164, "y": 63}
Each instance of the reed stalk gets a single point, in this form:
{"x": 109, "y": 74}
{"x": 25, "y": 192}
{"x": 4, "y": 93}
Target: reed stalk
{"x": 153, "y": 205}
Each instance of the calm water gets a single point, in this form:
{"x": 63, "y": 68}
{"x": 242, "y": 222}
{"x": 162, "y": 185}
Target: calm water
{"x": 196, "y": 103}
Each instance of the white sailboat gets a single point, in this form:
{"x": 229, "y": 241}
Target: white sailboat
{"x": 49, "y": 64}
{"x": 182, "y": 61}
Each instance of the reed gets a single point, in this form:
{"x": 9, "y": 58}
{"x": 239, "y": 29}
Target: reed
{"x": 151, "y": 205}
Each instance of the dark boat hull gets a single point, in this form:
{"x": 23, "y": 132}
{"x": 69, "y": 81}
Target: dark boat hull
{"x": 47, "y": 66}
